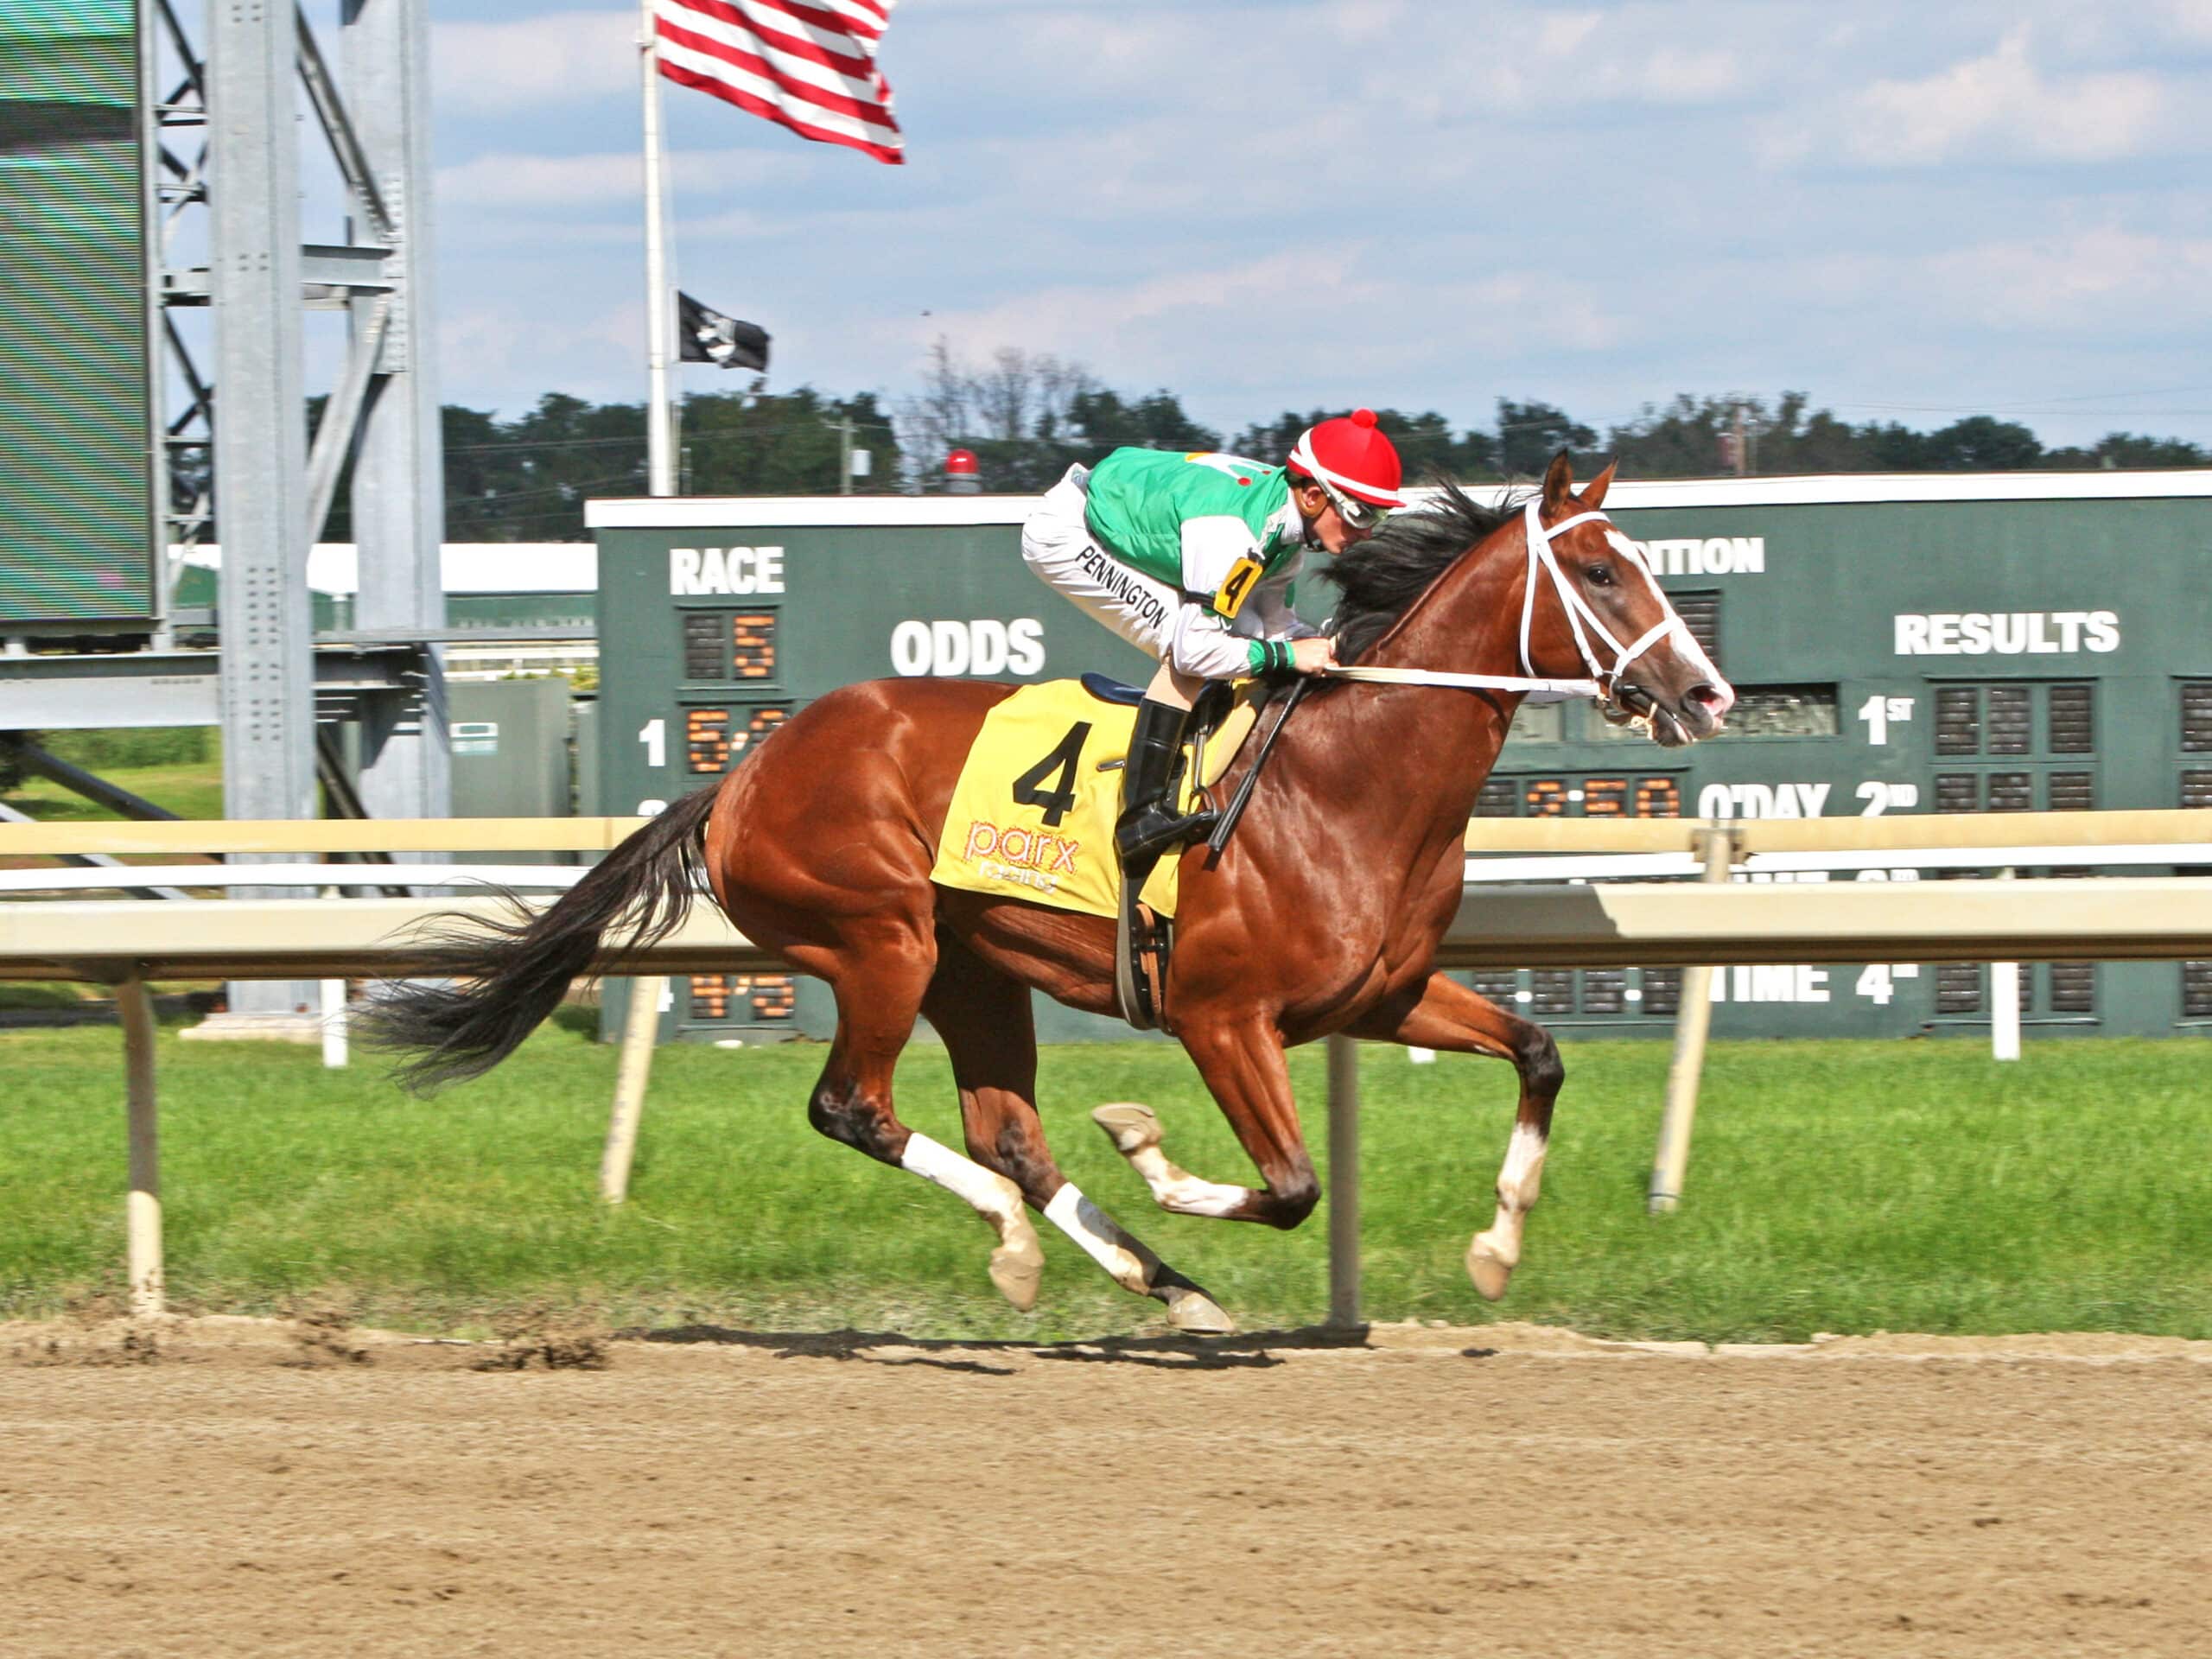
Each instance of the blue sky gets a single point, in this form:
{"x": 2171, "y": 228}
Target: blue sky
{"x": 1909, "y": 211}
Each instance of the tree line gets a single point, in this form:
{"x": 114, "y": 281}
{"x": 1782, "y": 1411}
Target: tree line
{"x": 1027, "y": 415}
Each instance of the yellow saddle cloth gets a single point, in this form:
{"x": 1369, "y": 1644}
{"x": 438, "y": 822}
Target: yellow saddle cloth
{"x": 1032, "y": 815}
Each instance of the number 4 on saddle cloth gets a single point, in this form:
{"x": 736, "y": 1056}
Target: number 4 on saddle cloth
{"x": 1032, "y": 815}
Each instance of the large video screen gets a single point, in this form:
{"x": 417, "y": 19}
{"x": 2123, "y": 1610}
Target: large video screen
{"x": 76, "y": 492}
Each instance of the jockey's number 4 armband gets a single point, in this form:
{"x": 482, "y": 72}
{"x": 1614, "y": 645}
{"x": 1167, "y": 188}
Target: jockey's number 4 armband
{"x": 1271, "y": 656}
{"x": 1236, "y": 586}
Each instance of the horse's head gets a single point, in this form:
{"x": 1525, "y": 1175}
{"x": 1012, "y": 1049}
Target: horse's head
{"x": 1593, "y": 606}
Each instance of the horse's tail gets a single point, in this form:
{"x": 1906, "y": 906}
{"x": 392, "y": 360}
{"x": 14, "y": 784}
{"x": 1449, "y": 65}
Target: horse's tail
{"x": 513, "y": 973}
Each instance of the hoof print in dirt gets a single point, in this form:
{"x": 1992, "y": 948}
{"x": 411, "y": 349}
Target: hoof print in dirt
{"x": 552, "y": 1345}
{"x": 321, "y": 1335}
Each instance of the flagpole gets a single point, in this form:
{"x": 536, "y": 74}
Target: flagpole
{"x": 660, "y": 447}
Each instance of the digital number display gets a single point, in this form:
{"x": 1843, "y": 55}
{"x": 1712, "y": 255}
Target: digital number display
{"x": 706, "y": 739}
{"x": 1606, "y": 797}
{"x": 1545, "y": 797}
{"x": 753, "y": 644}
{"x": 751, "y": 996}
{"x": 712, "y": 741}
{"x": 729, "y": 644}
{"x": 1656, "y": 796}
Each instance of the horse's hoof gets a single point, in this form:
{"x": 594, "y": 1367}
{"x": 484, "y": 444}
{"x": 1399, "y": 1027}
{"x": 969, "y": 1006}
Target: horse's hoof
{"x": 1491, "y": 1272}
{"x": 1196, "y": 1312}
{"x": 1017, "y": 1270}
{"x": 1130, "y": 1126}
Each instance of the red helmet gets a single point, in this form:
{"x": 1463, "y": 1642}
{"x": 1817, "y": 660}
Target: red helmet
{"x": 1350, "y": 457}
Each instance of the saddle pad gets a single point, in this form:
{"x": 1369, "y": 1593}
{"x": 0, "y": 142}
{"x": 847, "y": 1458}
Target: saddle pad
{"x": 1032, "y": 815}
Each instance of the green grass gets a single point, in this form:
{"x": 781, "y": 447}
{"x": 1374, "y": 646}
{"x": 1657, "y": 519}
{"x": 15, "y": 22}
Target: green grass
{"x": 190, "y": 789}
{"x": 1835, "y": 1186}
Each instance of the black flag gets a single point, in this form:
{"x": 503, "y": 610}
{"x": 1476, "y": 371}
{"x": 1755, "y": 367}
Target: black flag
{"x": 710, "y": 337}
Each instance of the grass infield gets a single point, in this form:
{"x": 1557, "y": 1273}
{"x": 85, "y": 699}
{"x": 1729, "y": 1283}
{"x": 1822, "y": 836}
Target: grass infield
{"x": 1833, "y": 1187}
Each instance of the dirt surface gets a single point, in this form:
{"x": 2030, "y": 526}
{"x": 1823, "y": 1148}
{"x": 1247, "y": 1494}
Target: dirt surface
{"x": 233, "y": 1486}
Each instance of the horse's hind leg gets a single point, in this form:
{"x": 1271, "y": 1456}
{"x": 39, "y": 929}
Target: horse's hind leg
{"x": 878, "y": 995}
{"x": 990, "y": 1036}
{"x": 1447, "y": 1016}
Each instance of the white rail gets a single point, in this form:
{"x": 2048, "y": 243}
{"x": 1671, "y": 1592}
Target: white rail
{"x": 522, "y": 877}
{"x": 129, "y": 943}
{"x": 1543, "y": 867}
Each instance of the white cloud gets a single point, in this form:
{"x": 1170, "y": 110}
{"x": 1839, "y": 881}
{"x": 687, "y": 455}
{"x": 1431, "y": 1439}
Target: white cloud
{"x": 545, "y": 60}
{"x": 2190, "y": 20}
{"x": 2002, "y": 105}
{"x": 1345, "y": 319}
{"x": 511, "y": 179}
{"x": 2081, "y": 279}
{"x": 498, "y": 353}
{"x": 1383, "y": 200}
{"x": 505, "y": 179}
{"x": 2105, "y": 280}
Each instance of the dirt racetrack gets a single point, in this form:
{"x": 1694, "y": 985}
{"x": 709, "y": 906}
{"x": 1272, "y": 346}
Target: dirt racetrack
{"x": 1507, "y": 1491}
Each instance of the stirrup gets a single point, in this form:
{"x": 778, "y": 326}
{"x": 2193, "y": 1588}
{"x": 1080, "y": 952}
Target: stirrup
{"x": 1143, "y": 943}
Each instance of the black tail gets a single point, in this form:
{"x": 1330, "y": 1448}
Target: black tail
{"x": 514, "y": 972}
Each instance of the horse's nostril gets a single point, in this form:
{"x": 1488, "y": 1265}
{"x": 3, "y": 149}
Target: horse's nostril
{"x": 1715, "y": 700}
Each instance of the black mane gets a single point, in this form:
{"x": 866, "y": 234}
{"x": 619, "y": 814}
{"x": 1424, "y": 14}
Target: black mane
{"x": 1385, "y": 574}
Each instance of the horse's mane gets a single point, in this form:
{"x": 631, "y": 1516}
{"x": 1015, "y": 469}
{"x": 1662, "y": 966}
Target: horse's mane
{"x": 1381, "y": 576}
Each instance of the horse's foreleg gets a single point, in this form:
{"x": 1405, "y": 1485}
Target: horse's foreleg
{"x": 990, "y": 1037}
{"x": 1448, "y": 1016}
{"x": 877, "y": 998}
{"x": 1135, "y": 1133}
{"x": 1242, "y": 1065}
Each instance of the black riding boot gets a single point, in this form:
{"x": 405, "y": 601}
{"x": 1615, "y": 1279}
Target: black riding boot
{"x": 1149, "y": 824}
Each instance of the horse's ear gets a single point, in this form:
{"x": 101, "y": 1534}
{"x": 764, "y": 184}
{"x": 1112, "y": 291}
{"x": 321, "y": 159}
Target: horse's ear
{"x": 1559, "y": 480}
{"x": 1593, "y": 493}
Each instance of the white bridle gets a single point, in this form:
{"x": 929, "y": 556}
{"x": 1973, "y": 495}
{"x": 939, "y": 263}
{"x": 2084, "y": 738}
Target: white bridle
{"x": 1578, "y": 614}
{"x": 1581, "y": 621}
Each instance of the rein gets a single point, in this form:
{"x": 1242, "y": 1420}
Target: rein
{"x": 1604, "y": 682}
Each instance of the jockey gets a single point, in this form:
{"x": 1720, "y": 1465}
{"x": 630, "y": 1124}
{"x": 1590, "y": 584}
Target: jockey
{"x": 1193, "y": 558}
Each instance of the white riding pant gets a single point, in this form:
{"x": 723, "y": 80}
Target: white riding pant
{"x": 1163, "y": 622}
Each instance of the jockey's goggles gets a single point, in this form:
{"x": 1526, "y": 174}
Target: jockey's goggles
{"x": 1357, "y": 513}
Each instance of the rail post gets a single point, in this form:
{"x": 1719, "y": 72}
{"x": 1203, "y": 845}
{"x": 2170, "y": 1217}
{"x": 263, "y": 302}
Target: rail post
{"x": 334, "y": 1043}
{"x": 2004, "y": 1002}
{"x": 1344, "y": 1183}
{"x": 143, "y": 1213}
{"x": 1717, "y": 847}
{"x": 640, "y": 1030}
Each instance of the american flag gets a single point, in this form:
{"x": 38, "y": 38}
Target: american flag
{"x": 808, "y": 65}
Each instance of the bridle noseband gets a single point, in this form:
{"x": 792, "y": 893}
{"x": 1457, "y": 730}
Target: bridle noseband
{"x": 1581, "y": 620}
{"x": 1605, "y": 682}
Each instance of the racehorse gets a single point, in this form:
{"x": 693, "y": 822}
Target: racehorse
{"x": 1322, "y": 914}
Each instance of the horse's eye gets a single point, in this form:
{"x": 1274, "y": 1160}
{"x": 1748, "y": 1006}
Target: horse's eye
{"x": 1599, "y": 575}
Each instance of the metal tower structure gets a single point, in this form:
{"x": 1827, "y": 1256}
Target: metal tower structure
{"x": 272, "y": 486}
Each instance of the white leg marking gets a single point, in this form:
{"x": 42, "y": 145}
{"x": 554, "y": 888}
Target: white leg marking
{"x": 1131, "y": 1265}
{"x": 995, "y": 1198}
{"x": 1017, "y": 1264}
{"x": 1127, "y": 1263}
{"x": 1180, "y": 1191}
{"x": 1497, "y": 1250}
{"x": 1135, "y": 1134}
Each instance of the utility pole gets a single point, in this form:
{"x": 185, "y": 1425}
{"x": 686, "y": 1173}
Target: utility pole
{"x": 1742, "y": 455}
{"x": 843, "y": 426}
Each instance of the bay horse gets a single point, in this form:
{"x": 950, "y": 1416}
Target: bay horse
{"x": 1322, "y": 914}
